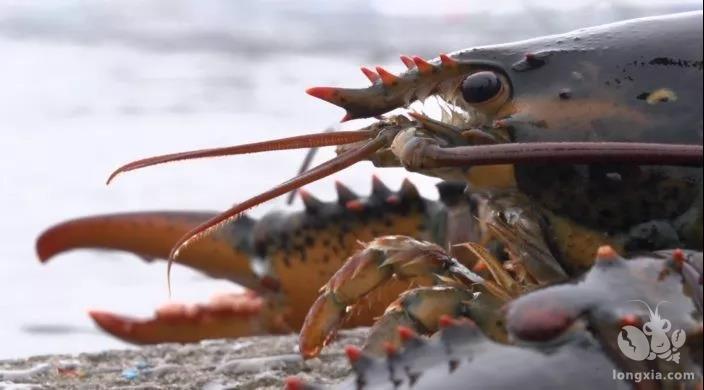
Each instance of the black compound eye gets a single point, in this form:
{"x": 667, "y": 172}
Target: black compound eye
{"x": 480, "y": 87}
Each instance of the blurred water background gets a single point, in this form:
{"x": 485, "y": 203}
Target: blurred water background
{"x": 88, "y": 85}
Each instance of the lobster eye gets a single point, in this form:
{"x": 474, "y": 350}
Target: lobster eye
{"x": 481, "y": 86}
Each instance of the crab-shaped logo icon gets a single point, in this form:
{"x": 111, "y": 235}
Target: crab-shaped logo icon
{"x": 652, "y": 341}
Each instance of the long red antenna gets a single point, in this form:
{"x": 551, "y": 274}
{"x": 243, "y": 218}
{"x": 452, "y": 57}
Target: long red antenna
{"x": 297, "y": 142}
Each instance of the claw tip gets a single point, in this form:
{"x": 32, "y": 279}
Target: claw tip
{"x": 47, "y": 246}
{"x": 110, "y": 322}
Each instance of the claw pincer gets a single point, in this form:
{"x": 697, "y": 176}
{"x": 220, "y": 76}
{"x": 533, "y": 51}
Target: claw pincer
{"x": 268, "y": 257}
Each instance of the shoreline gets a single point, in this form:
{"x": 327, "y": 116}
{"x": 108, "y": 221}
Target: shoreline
{"x": 260, "y": 362}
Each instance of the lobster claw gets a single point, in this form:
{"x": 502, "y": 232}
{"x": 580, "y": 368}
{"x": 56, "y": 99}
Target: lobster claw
{"x": 224, "y": 316}
{"x": 224, "y": 254}
{"x": 152, "y": 235}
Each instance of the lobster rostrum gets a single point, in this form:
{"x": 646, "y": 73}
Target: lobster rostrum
{"x": 565, "y": 144}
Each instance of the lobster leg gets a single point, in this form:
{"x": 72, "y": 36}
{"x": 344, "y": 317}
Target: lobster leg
{"x": 367, "y": 270}
{"x": 420, "y": 310}
{"x": 428, "y": 264}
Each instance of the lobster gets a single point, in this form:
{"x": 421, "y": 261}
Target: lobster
{"x": 572, "y": 148}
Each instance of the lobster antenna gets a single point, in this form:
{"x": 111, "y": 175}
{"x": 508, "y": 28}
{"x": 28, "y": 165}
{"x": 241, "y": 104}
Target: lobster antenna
{"x": 307, "y": 160}
{"x": 310, "y": 154}
{"x": 325, "y": 169}
{"x": 567, "y": 152}
{"x": 297, "y": 142}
